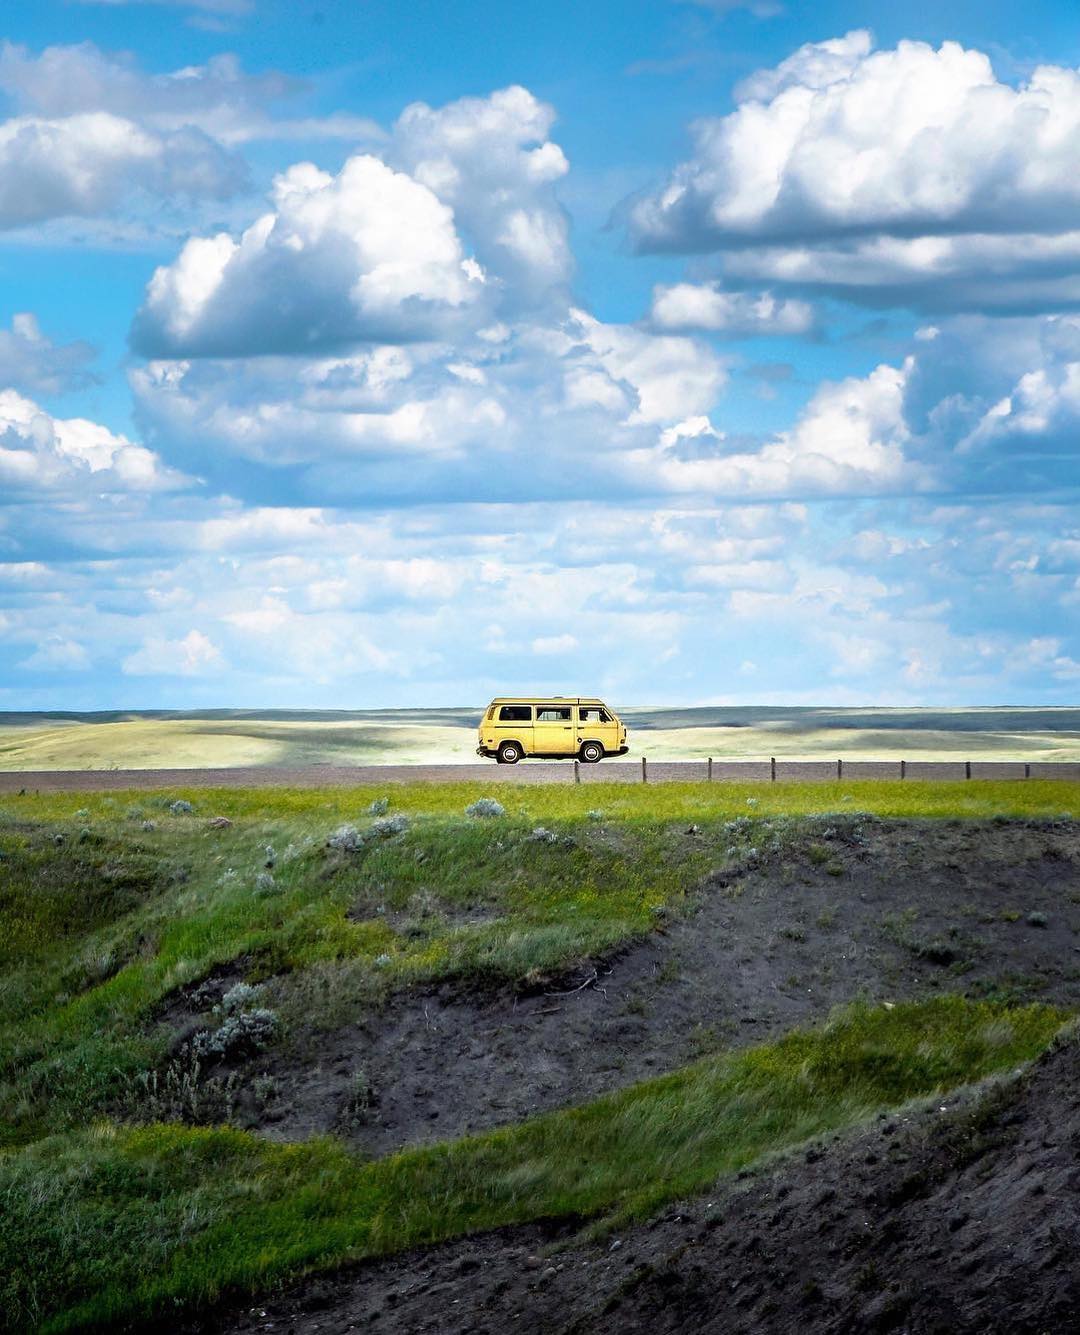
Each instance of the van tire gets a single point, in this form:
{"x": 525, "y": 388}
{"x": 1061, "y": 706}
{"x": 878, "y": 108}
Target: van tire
{"x": 509, "y": 753}
{"x": 591, "y": 752}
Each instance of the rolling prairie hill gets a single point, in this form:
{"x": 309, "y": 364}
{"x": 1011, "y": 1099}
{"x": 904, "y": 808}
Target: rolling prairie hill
{"x": 159, "y": 739}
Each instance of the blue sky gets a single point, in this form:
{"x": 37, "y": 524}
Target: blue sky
{"x": 682, "y": 350}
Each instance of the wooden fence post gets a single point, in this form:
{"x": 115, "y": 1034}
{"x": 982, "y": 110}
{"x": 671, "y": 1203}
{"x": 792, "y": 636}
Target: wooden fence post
{"x": 708, "y": 773}
{"x": 903, "y": 769}
{"x": 967, "y": 769}
{"x": 577, "y": 771}
{"x": 644, "y": 771}
{"x": 772, "y": 768}
{"x": 1027, "y": 770}
{"x": 839, "y": 769}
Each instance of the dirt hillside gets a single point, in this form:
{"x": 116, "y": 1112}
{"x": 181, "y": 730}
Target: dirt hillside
{"x": 851, "y": 907}
{"x": 959, "y": 1216}
{"x": 956, "y": 1217}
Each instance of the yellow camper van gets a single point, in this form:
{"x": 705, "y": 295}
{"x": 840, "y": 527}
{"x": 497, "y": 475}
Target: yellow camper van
{"x": 556, "y": 728}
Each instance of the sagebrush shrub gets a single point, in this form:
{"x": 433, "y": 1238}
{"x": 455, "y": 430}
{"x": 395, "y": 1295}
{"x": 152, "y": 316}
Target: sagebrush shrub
{"x": 182, "y": 1092}
{"x": 485, "y": 806}
{"x": 240, "y": 1034}
{"x": 265, "y": 885}
{"x": 239, "y": 996}
{"x": 346, "y": 839}
{"x": 389, "y": 825}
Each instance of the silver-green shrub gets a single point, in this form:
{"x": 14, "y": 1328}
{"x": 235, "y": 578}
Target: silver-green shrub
{"x": 485, "y": 806}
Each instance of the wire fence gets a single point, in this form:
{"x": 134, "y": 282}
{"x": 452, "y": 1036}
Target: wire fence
{"x": 642, "y": 770}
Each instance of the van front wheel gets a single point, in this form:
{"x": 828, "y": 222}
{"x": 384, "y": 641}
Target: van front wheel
{"x": 509, "y": 753}
{"x": 591, "y": 752}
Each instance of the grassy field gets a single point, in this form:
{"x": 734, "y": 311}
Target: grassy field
{"x": 295, "y": 738}
{"x": 334, "y": 902}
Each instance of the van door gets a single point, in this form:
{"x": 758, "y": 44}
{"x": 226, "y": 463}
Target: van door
{"x": 513, "y": 723}
{"x": 598, "y": 724}
{"x": 553, "y": 731}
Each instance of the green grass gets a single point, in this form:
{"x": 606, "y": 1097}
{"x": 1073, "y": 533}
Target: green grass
{"x": 111, "y": 1225}
{"x": 977, "y": 798}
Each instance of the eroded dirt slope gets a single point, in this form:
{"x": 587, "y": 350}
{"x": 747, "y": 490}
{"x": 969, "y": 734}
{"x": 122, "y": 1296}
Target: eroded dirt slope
{"x": 957, "y": 1217}
{"x": 884, "y": 910}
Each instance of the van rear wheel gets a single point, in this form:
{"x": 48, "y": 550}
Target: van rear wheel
{"x": 591, "y": 752}
{"x": 509, "y": 753}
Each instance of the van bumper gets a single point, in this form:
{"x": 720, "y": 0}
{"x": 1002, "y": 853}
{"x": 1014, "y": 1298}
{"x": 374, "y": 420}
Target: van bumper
{"x": 622, "y": 750}
{"x": 485, "y": 751}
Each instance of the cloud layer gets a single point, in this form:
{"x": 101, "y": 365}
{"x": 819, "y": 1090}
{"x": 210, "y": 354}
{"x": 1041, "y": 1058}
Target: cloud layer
{"x": 382, "y": 448}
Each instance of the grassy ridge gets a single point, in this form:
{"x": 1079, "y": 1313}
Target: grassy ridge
{"x": 126, "y": 1224}
{"x": 98, "y": 928}
{"x": 105, "y": 924}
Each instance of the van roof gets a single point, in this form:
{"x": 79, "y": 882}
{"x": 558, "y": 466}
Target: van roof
{"x": 547, "y": 700}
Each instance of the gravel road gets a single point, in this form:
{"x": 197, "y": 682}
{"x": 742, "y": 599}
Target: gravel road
{"x": 530, "y": 771}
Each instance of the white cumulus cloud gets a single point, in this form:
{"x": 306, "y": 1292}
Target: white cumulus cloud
{"x": 219, "y": 98}
{"x": 29, "y": 360}
{"x": 554, "y": 644}
{"x": 905, "y": 173}
{"x": 39, "y": 452}
{"x": 88, "y": 163}
{"x": 191, "y": 656}
{"x": 706, "y": 306}
{"x": 491, "y": 159}
{"x": 840, "y": 138}
{"x": 367, "y": 254}
{"x": 547, "y": 409}
{"x": 57, "y": 653}
{"x": 454, "y": 221}
{"x": 851, "y": 438}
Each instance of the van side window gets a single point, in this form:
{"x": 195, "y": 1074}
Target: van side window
{"x": 515, "y": 714}
{"x": 553, "y": 714}
{"x": 594, "y": 714}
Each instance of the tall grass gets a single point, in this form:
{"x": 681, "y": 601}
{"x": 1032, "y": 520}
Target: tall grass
{"x": 973, "y": 799}
{"x": 110, "y": 1225}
